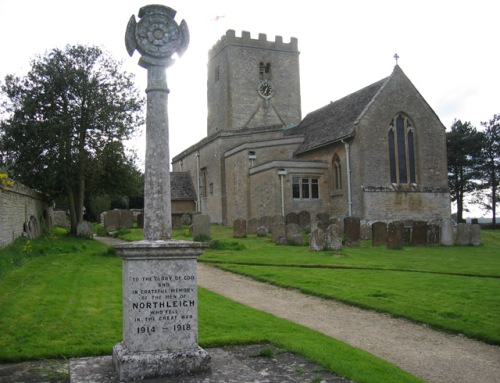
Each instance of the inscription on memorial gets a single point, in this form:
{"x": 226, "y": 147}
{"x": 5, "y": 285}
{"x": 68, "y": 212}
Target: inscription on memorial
{"x": 162, "y": 308}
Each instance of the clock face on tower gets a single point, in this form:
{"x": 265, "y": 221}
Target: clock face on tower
{"x": 265, "y": 89}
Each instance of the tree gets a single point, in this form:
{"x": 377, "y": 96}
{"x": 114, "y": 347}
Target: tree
{"x": 70, "y": 105}
{"x": 464, "y": 145}
{"x": 489, "y": 193}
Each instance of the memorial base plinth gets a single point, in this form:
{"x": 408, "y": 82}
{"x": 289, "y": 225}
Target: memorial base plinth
{"x": 147, "y": 365}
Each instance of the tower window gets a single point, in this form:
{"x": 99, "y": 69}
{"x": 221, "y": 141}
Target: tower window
{"x": 401, "y": 150}
{"x": 264, "y": 70}
{"x": 217, "y": 73}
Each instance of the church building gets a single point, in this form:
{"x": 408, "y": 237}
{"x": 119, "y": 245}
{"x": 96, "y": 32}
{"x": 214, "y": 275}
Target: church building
{"x": 378, "y": 154}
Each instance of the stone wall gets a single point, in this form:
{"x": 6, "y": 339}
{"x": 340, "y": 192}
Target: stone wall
{"x": 18, "y": 204}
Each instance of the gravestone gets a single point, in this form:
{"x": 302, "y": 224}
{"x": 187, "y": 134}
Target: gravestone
{"x": 292, "y": 218}
{"x": 262, "y": 231}
{"x": 126, "y": 219}
{"x": 84, "y": 229}
{"x": 379, "y": 234}
{"x": 446, "y": 234}
{"x": 140, "y": 220}
{"x": 419, "y": 233}
{"x": 432, "y": 235}
{"x": 317, "y": 240}
{"x": 395, "y": 235}
{"x": 352, "y": 231}
{"x": 279, "y": 233}
{"x": 333, "y": 237}
{"x": 201, "y": 226}
{"x": 112, "y": 220}
{"x": 475, "y": 234}
{"x": 277, "y": 219}
{"x": 266, "y": 221}
{"x": 252, "y": 225}
{"x": 366, "y": 230}
{"x": 294, "y": 235}
{"x": 240, "y": 228}
{"x": 474, "y": 221}
{"x": 305, "y": 221}
{"x": 160, "y": 303}
{"x": 463, "y": 234}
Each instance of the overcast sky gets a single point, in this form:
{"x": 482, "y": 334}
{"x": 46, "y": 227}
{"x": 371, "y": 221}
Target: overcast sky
{"x": 448, "y": 49}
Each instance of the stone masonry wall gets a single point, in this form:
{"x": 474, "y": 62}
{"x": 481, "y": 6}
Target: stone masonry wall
{"x": 18, "y": 204}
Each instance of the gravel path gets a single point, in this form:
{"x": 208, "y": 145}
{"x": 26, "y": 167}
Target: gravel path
{"x": 431, "y": 355}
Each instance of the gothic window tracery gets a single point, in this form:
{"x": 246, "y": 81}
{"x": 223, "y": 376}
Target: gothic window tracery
{"x": 401, "y": 144}
{"x": 336, "y": 173}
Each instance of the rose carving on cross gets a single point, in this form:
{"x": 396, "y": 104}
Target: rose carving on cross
{"x": 156, "y": 36}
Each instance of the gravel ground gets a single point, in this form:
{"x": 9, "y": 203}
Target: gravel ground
{"x": 431, "y": 355}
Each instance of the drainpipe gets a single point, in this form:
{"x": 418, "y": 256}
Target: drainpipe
{"x": 349, "y": 193}
{"x": 282, "y": 174}
{"x": 198, "y": 202}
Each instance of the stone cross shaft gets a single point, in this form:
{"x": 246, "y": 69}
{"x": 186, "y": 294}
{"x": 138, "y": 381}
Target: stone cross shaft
{"x": 156, "y": 36}
{"x": 157, "y": 200}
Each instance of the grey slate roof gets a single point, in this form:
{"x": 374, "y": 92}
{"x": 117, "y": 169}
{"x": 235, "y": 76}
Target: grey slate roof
{"x": 336, "y": 120}
{"x": 181, "y": 186}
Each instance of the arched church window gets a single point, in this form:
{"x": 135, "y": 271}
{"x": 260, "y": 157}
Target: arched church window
{"x": 400, "y": 137}
{"x": 337, "y": 173}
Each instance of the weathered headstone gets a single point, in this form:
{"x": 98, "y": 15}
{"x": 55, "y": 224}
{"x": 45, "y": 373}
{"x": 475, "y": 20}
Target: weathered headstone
{"x": 112, "y": 220}
{"x": 333, "y": 237}
{"x": 293, "y": 234}
{"x": 447, "y": 232}
{"x": 252, "y": 225}
{"x": 365, "y": 230}
{"x": 317, "y": 240}
{"x": 463, "y": 234}
{"x": 279, "y": 233}
{"x": 292, "y": 218}
{"x": 379, "y": 234}
{"x": 160, "y": 304}
{"x": 419, "y": 233}
{"x": 140, "y": 220}
{"x": 201, "y": 226}
{"x": 352, "y": 231}
{"x": 84, "y": 229}
{"x": 266, "y": 221}
{"x": 305, "y": 221}
{"x": 240, "y": 228}
{"x": 395, "y": 235}
{"x": 262, "y": 231}
{"x": 432, "y": 235}
{"x": 475, "y": 234}
{"x": 277, "y": 219}
{"x": 126, "y": 219}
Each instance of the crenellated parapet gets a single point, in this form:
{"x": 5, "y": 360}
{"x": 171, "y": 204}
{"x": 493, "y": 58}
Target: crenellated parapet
{"x": 230, "y": 39}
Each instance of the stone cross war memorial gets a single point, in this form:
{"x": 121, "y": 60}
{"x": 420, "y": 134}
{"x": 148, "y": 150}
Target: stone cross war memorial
{"x": 160, "y": 304}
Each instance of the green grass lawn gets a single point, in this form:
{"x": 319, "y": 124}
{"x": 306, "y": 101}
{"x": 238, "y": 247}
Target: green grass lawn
{"x": 62, "y": 298}
{"x": 455, "y": 289}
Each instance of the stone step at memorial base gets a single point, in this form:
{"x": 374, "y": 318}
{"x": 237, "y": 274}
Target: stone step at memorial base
{"x": 233, "y": 364}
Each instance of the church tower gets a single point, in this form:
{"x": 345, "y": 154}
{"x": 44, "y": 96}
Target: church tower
{"x": 252, "y": 83}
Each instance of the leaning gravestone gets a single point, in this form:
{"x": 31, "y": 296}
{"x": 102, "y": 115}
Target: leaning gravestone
{"x": 379, "y": 234}
{"x": 317, "y": 240}
{"x": 240, "y": 228}
{"x": 395, "y": 235}
{"x": 160, "y": 302}
{"x": 293, "y": 234}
